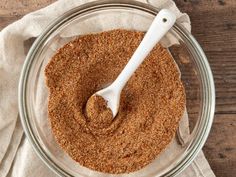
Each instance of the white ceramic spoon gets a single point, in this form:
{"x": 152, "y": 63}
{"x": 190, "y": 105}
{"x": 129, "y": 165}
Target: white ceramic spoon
{"x": 164, "y": 20}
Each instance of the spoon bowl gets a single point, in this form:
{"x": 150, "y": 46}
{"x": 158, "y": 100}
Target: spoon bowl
{"x": 112, "y": 96}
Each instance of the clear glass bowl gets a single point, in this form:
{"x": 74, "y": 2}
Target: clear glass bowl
{"x": 101, "y": 16}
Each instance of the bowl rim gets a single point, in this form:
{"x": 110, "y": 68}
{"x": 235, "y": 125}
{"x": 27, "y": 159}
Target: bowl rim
{"x": 88, "y": 7}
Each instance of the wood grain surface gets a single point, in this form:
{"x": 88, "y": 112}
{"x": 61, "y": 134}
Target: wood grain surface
{"x": 214, "y": 26}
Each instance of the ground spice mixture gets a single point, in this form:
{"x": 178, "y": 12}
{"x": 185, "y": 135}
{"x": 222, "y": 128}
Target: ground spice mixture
{"x": 151, "y": 104}
{"x": 97, "y": 113}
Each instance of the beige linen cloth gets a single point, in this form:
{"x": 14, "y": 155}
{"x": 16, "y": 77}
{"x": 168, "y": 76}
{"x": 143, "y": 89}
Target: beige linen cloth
{"x": 17, "y": 158}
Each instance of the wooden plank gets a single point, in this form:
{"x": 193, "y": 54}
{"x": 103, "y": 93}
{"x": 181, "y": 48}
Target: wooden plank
{"x": 21, "y": 7}
{"x": 220, "y": 149}
{"x": 214, "y": 26}
{"x": 6, "y": 20}
{"x": 12, "y": 10}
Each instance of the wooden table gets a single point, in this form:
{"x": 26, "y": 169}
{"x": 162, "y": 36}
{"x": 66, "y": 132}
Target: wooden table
{"x": 214, "y": 26}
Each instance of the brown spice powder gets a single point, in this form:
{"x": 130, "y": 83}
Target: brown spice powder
{"x": 97, "y": 113}
{"x": 151, "y": 104}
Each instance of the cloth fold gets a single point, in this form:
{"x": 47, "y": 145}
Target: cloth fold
{"x": 17, "y": 158}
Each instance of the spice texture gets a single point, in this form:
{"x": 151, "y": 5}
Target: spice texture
{"x": 97, "y": 113}
{"x": 151, "y": 103}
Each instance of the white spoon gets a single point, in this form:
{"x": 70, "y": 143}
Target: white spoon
{"x": 164, "y": 20}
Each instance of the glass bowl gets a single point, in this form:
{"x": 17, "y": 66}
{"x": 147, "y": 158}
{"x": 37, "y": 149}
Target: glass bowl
{"x": 101, "y": 16}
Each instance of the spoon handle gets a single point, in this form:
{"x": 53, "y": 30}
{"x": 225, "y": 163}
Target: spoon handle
{"x": 164, "y": 20}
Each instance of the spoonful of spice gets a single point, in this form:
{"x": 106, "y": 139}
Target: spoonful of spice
{"x": 162, "y": 23}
